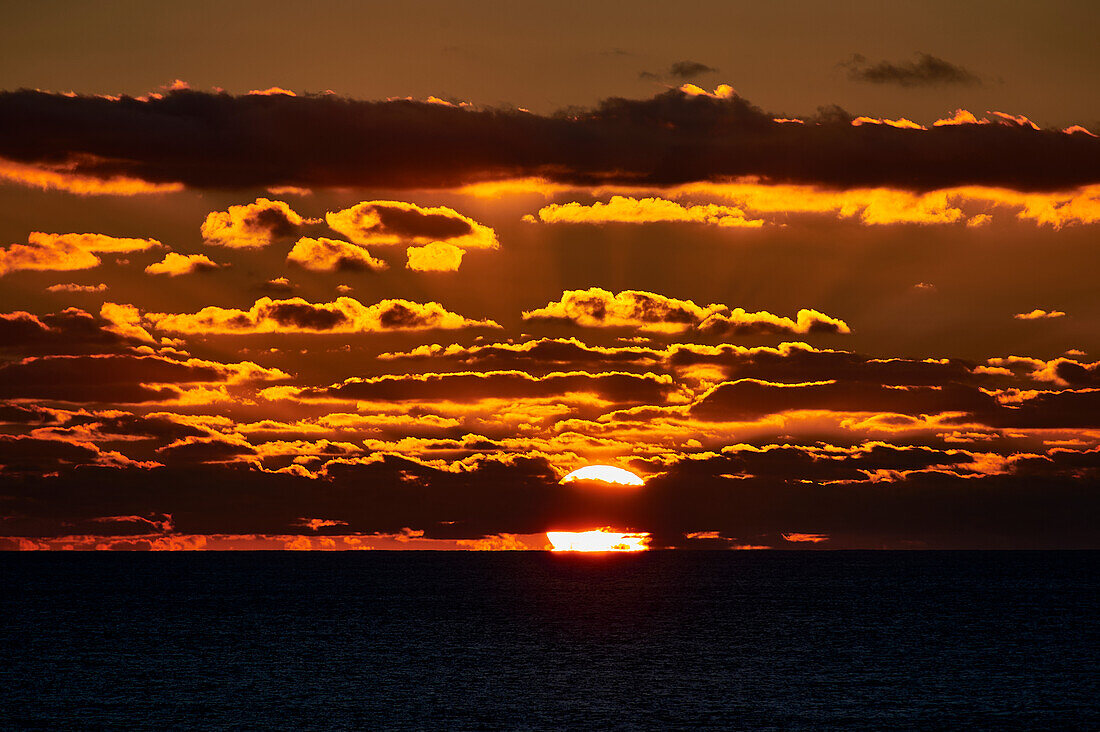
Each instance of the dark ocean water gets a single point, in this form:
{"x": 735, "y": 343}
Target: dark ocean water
{"x": 375, "y": 640}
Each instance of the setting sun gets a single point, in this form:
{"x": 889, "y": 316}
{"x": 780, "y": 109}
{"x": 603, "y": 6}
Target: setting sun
{"x": 598, "y": 540}
{"x": 604, "y": 474}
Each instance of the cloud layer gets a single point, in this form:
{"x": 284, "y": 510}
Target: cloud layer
{"x": 673, "y": 138}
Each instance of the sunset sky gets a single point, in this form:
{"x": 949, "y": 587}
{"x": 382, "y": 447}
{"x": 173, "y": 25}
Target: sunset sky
{"x": 348, "y": 276}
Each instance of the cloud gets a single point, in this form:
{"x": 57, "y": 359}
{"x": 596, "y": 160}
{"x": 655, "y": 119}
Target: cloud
{"x": 799, "y": 362}
{"x": 675, "y": 137}
{"x": 1038, "y": 314}
{"x": 740, "y": 322}
{"x": 681, "y": 70}
{"x": 647, "y": 311}
{"x": 626, "y": 210}
{"x": 746, "y": 399}
{"x": 384, "y": 223}
{"x": 545, "y": 352}
{"x": 883, "y": 206}
{"x": 72, "y": 287}
{"x": 119, "y": 378}
{"x": 435, "y": 257}
{"x": 296, "y": 315}
{"x": 332, "y": 255}
{"x": 279, "y": 284}
{"x": 689, "y": 69}
{"x": 70, "y": 331}
{"x": 926, "y": 70}
{"x": 49, "y": 176}
{"x": 218, "y": 449}
{"x": 30, "y": 455}
{"x": 61, "y": 252}
{"x": 175, "y": 265}
{"x": 738, "y": 494}
{"x": 467, "y": 386}
{"x": 125, "y": 321}
{"x": 251, "y": 225}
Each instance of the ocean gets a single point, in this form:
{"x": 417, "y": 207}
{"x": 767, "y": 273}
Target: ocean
{"x": 653, "y": 640}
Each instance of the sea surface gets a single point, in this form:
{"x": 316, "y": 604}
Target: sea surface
{"x": 659, "y": 640}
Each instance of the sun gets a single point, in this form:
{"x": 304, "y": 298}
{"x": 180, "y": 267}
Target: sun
{"x": 598, "y": 540}
{"x": 604, "y": 474}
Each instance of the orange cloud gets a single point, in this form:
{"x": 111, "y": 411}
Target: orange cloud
{"x": 175, "y": 265}
{"x": 885, "y": 206}
{"x": 1077, "y": 129}
{"x": 251, "y": 225}
{"x": 384, "y": 223}
{"x": 810, "y": 538}
{"x": 599, "y": 308}
{"x": 75, "y": 288}
{"x": 623, "y": 209}
{"x": 435, "y": 257}
{"x": 61, "y": 252}
{"x": 505, "y": 543}
{"x": 316, "y": 523}
{"x": 62, "y": 178}
{"x": 469, "y": 386}
{"x": 873, "y": 206}
{"x": 272, "y": 90}
{"x": 740, "y": 322}
{"x": 125, "y": 321}
{"x": 345, "y": 315}
{"x": 647, "y": 311}
{"x": 1038, "y": 314}
{"x": 722, "y": 91}
{"x": 960, "y": 117}
{"x": 903, "y": 124}
{"x": 330, "y": 255}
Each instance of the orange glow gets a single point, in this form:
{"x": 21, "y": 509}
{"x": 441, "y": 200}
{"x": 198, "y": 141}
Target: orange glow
{"x": 604, "y": 474}
{"x": 64, "y": 178}
{"x": 598, "y": 540}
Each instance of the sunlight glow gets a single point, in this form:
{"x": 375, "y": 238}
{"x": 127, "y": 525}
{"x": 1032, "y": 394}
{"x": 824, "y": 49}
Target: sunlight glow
{"x": 604, "y": 474}
{"x": 598, "y": 540}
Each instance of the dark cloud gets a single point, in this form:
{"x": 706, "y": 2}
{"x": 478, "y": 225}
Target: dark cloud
{"x": 386, "y": 493}
{"x": 542, "y": 354}
{"x": 649, "y": 311}
{"x": 209, "y": 141}
{"x": 748, "y": 399}
{"x": 216, "y": 449}
{"x": 682, "y": 70}
{"x": 70, "y": 331}
{"x": 467, "y": 386}
{"x": 793, "y": 363}
{"x": 112, "y": 378}
{"x": 689, "y": 69}
{"x": 926, "y": 70}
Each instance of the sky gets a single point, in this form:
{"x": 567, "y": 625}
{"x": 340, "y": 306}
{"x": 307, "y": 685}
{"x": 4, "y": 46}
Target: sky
{"x": 364, "y": 276}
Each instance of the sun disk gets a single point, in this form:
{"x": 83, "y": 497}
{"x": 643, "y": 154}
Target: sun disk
{"x": 598, "y": 540}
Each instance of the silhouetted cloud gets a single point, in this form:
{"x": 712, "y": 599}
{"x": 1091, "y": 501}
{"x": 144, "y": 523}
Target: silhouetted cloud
{"x": 381, "y": 223}
{"x": 466, "y": 386}
{"x": 648, "y": 311}
{"x": 689, "y": 69}
{"x": 118, "y": 378}
{"x": 926, "y": 70}
{"x": 70, "y": 331}
{"x": 675, "y": 137}
{"x": 295, "y": 315}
